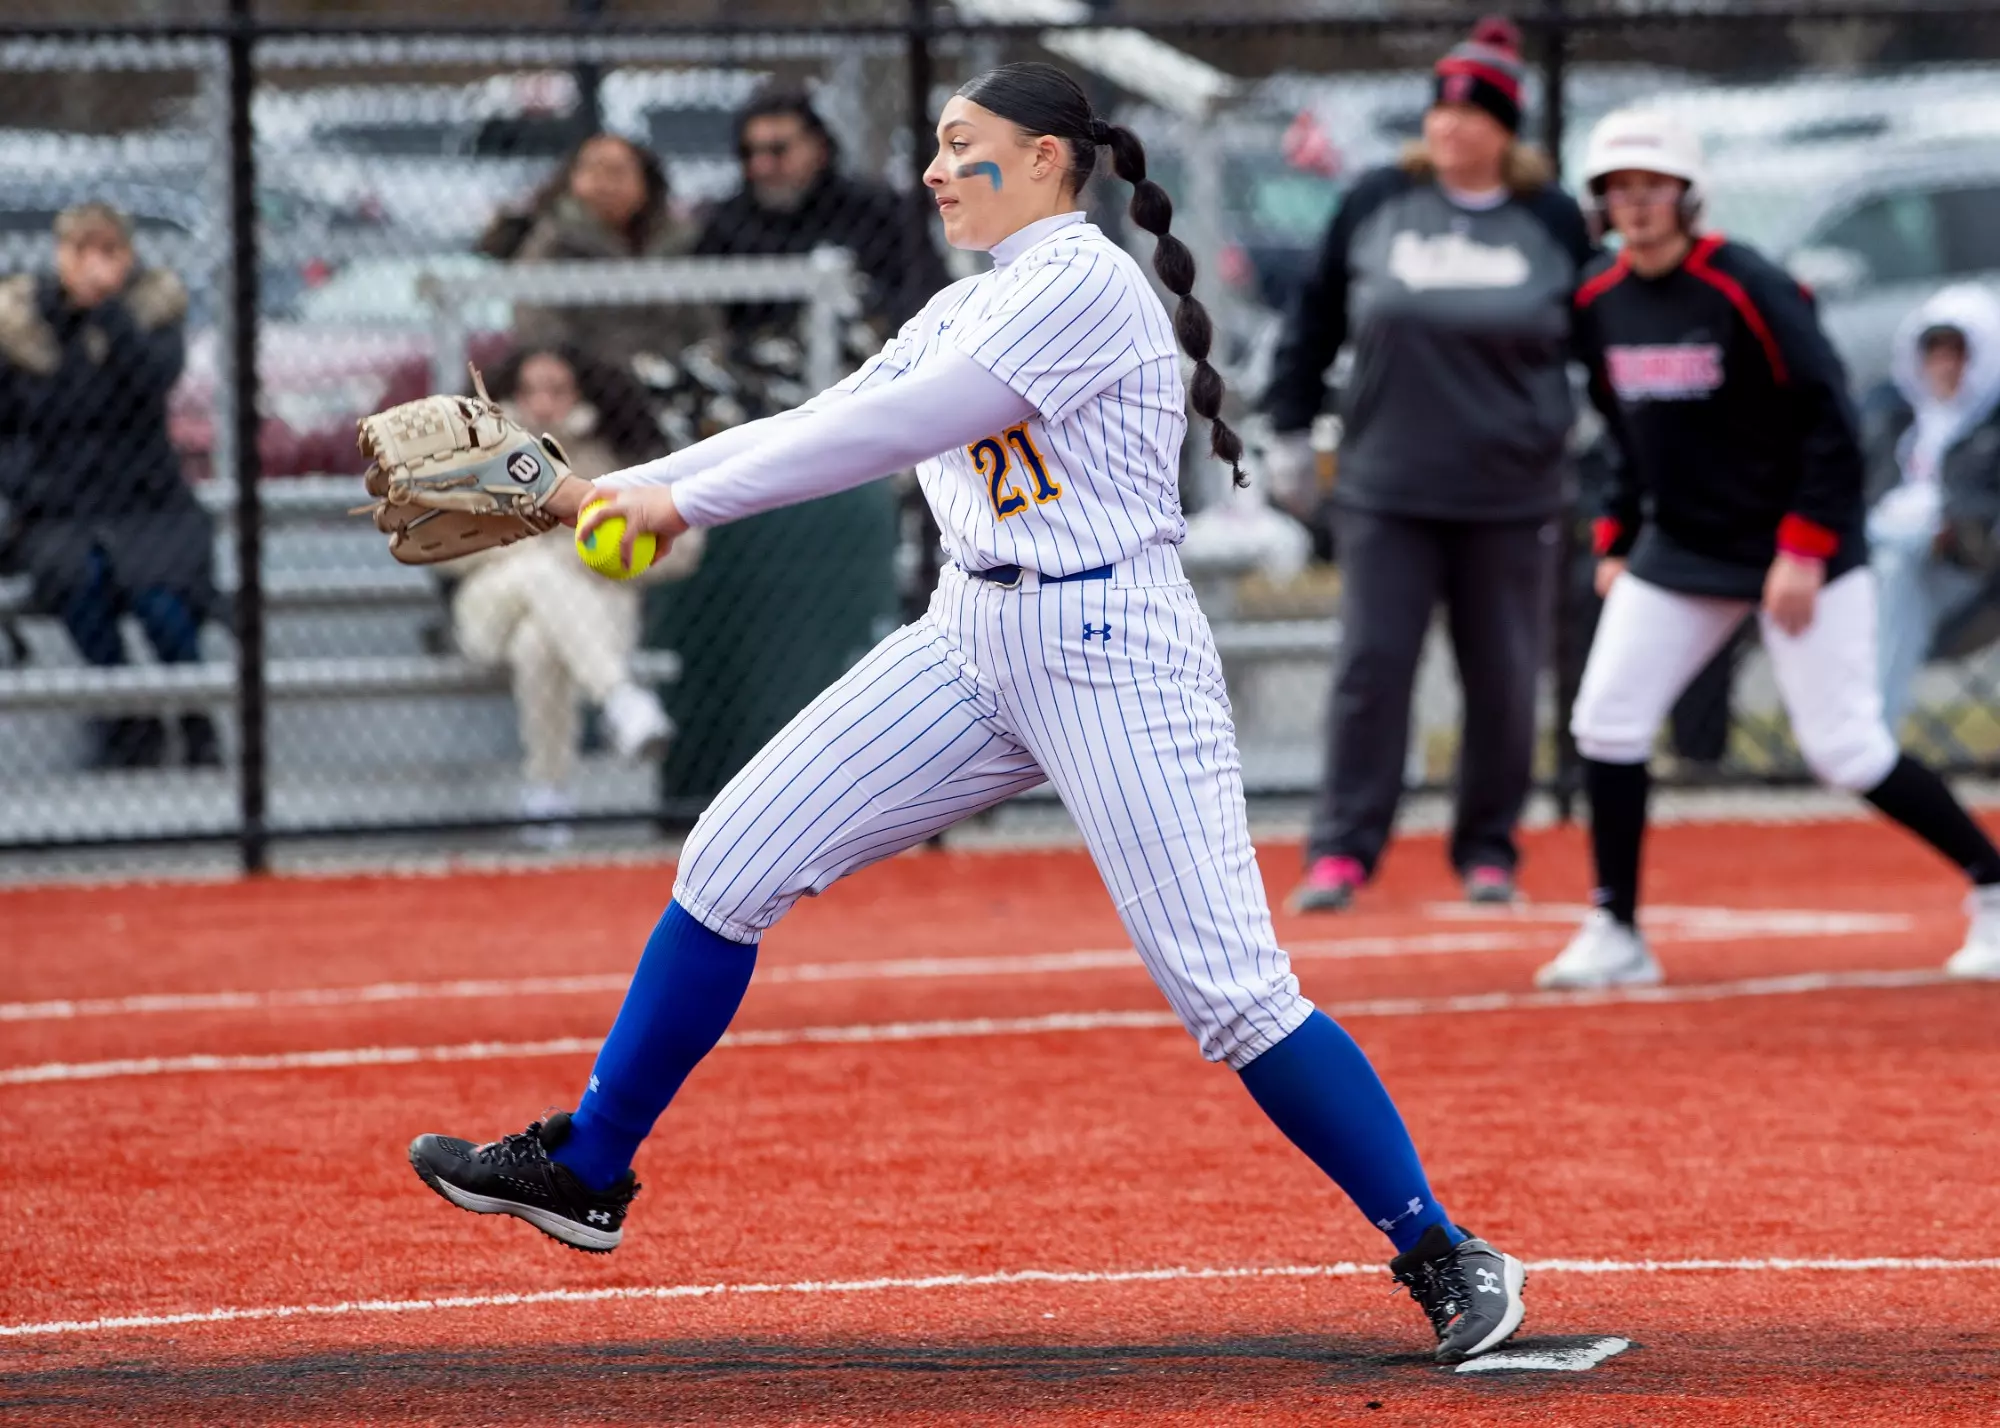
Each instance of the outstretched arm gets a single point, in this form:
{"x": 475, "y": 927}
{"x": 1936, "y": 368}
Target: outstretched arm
{"x": 953, "y": 402}
{"x": 895, "y": 359}
{"x": 866, "y": 435}
{"x": 714, "y": 450}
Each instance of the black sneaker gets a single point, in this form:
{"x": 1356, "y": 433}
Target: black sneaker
{"x": 1470, "y": 1290}
{"x": 514, "y": 1176}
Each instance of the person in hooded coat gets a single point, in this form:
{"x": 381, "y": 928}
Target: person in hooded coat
{"x": 1934, "y": 483}
{"x": 101, "y": 519}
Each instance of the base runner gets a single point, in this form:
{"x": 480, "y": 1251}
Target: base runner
{"x": 1740, "y": 489}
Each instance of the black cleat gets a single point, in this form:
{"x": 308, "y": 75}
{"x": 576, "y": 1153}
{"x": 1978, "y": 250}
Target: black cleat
{"x": 514, "y": 1176}
{"x": 1470, "y": 1290}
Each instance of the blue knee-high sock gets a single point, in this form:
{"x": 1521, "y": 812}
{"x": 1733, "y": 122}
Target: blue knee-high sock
{"x": 1318, "y": 1088}
{"x": 688, "y": 986}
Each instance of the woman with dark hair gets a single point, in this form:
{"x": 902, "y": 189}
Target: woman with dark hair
{"x": 1042, "y": 404}
{"x": 1449, "y": 276}
{"x": 607, "y": 203}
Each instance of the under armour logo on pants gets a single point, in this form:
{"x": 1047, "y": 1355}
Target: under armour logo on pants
{"x": 1096, "y": 632}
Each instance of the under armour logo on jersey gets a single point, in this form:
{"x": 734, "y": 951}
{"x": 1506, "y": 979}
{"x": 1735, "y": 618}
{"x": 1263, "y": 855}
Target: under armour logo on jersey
{"x": 603, "y": 1217}
{"x": 1416, "y": 1207}
{"x": 1489, "y": 1282}
{"x": 1096, "y": 632}
{"x": 593, "y": 1080}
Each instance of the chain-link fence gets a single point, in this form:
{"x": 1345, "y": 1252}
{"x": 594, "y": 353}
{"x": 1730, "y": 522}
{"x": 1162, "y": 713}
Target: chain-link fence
{"x": 648, "y": 226}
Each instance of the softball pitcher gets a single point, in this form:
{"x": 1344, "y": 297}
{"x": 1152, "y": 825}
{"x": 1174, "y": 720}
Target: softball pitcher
{"x": 1042, "y": 405}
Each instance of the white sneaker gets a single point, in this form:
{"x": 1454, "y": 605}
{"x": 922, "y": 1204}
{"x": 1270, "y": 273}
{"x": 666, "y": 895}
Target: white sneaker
{"x": 637, "y": 724}
{"x": 541, "y": 801}
{"x": 1980, "y": 956}
{"x": 1604, "y": 953}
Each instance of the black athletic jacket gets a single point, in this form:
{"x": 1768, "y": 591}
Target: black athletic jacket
{"x": 1732, "y": 416}
{"x": 1458, "y": 405}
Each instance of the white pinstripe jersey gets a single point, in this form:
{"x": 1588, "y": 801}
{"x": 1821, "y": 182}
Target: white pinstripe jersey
{"x": 1066, "y": 319}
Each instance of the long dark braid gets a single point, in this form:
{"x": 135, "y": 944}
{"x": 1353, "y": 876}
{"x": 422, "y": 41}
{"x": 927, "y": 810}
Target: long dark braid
{"x": 1043, "y": 99}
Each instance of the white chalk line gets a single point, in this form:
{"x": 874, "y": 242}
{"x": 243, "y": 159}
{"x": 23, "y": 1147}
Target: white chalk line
{"x": 1672, "y": 924}
{"x": 1345, "y": 1269}
{"x": 1470, "y": 1004}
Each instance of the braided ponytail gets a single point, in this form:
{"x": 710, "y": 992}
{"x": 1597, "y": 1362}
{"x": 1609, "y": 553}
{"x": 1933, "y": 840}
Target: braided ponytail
{"x": 1153, "y": 211}
{"x": 1043, "y": 99}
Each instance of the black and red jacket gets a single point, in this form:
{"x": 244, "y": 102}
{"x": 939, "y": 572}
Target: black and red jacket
{"x": 1732, "y": 419}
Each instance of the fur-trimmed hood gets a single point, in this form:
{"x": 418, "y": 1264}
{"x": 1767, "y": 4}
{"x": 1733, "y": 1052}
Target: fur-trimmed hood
{"x": 155, "y": 298}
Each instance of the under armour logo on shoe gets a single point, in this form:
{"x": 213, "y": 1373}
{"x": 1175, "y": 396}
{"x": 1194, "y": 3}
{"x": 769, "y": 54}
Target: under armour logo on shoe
{"x": 1386, "y": 1225}
{"x": 1489, "y": 1283}
{"x": 603, "y": 1217}
{"x": 1096, "y": 632}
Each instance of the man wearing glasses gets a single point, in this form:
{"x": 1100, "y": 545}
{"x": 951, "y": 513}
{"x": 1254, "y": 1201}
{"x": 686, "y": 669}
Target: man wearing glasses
{"x": 795, "y": 199}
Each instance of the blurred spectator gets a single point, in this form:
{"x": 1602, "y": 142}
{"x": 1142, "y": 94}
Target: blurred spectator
{"x": 103, "y": 522}
{"x": 1934, "y": 480}
{"x": 562, "y": 629}
{"x": 608, "y": 203}
{"x": 1453, "y": 273}
{"x": 795, "y": 199}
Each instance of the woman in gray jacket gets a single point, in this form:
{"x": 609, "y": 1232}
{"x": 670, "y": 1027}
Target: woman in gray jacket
{"x": 1450, "y": 276}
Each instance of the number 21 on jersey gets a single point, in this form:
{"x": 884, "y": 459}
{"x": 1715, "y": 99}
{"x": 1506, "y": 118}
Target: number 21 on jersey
{"x": 994, "y": 457}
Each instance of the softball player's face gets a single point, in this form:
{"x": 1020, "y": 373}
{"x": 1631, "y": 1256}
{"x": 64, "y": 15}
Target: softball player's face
{"x": 1644, "y": 207}
{"x": 989, "y": 180}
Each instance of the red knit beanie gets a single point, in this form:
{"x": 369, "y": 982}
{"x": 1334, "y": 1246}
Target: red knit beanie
{"x": 1484, "y": 70}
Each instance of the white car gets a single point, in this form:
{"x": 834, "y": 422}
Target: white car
{"x": 1873, "y": 230}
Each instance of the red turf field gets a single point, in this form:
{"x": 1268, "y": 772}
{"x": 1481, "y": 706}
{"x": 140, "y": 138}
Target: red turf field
{"x": 888, "y": 1116}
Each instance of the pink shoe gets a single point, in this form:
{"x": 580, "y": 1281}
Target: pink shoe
{"x": 1489, "y": 885}
{"x": 1330, "y": 885}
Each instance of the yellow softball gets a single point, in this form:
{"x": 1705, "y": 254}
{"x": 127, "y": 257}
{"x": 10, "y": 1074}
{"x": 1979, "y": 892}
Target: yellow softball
{"x": 599, "y": 550}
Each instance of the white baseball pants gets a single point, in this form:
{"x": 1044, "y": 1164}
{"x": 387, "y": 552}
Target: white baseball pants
{"x": 1651, "y": 641}
{"x": 1110, "y": 689}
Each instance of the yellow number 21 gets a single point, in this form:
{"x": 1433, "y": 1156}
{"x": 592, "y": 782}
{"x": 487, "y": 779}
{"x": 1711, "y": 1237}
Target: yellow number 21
{"x": 991, "y": 459}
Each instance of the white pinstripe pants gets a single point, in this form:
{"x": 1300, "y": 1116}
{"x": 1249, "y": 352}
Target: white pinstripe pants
{"x": 1109, "y": 689}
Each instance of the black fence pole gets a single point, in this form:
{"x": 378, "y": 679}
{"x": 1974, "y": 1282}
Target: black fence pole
{"x": 923, "y": 144}
{"x": 250, "y": 693}
{"x": 589, "y": 75}
{"x": 1555, "y": 73}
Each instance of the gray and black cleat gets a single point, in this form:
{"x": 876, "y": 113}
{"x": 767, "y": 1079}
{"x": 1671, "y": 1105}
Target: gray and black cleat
{"x": 514, "y": 1176}
{"x": 1471, "y": 1292}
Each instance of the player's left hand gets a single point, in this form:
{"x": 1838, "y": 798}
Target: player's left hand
{"x": 644, "y": 508}
{"x": 1791, "y": 589}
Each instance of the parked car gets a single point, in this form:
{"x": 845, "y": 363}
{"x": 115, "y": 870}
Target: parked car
{"x": 354, "y": 345}
{"x": 1872, "y": 229}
